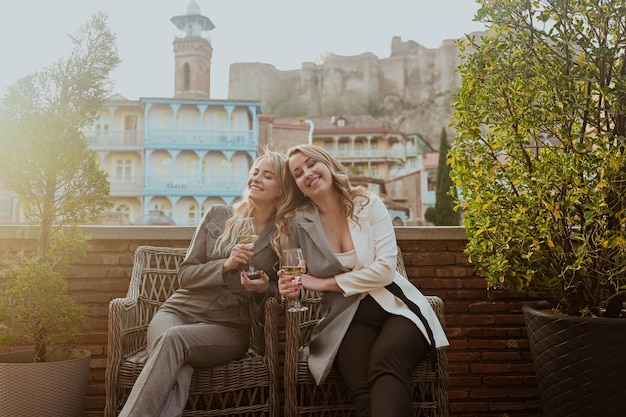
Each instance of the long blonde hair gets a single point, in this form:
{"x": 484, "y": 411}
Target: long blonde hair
{"x": 245, "y": 208}
{"x": 295, "y": 199}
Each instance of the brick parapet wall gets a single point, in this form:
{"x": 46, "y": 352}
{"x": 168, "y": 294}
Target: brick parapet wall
{"x": 491, "y": 373}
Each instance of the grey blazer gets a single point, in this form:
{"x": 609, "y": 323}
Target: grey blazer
{"x": 206, "y": 295}
{"x": 375, "y": 245}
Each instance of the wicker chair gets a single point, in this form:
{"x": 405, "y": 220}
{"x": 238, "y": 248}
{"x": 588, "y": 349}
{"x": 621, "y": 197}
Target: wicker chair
{"x": 304, "y": 398}
{"x": 238, "y": 388}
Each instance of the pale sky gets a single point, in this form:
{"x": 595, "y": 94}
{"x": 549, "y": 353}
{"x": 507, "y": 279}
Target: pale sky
{"x": 284, "y": 33}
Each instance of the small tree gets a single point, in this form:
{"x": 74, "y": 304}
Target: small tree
{"x": 445, "y": 215}
{"x": 46, "y": 161}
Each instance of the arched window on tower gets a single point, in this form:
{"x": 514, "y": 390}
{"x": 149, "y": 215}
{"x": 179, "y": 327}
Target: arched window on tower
{"x": 187, "y": 76}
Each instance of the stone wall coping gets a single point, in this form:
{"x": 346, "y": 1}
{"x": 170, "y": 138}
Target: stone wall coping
{"x": 129, "y": 232}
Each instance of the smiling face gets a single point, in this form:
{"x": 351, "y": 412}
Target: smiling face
{"x": 263, "y": 183}
{"x": 312, "y": 176}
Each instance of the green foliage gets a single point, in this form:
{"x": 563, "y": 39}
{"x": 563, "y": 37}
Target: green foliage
{"x": 445, "y": 214}
{"x": 46, "y": 161}
{"x": 36, "y": 309}
{"x": 45, "y": 158}
{"x": 539, "y": 154}
{"x": 430, "y": 214}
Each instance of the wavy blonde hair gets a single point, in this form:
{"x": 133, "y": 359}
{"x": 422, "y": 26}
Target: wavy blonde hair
{"x": 296, "y": 200}
{"x": 245, "y": 208}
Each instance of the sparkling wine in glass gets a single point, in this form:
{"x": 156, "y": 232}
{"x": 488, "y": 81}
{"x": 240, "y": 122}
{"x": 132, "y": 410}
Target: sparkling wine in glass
{"x": 294, "y": 265}
{"x": 247, "y": 236}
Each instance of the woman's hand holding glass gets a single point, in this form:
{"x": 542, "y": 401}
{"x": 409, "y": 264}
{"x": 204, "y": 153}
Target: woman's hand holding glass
{"x": 247, "y": 236}
{"x": 293, "y": 267}
{"x": 240, "y": 254}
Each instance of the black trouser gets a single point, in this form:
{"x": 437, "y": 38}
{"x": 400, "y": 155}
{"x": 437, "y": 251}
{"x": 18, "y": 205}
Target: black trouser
{"x": 376, "y": 358}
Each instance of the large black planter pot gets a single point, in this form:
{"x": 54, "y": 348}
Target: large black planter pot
{"x": 580, "y": 363}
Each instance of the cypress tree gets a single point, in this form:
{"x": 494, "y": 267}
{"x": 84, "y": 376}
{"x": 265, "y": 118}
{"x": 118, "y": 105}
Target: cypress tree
{"x": 445, "y": 215}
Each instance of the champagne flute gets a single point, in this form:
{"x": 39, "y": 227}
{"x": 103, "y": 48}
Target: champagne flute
{"x": 247, "y": 236}
{"x": 293, "y": 264}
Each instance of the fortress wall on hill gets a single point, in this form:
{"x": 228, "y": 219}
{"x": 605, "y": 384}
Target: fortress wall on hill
{"x": 411, "y": 90}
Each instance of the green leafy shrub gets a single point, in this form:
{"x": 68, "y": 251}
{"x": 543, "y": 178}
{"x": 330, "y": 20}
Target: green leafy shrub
{"x": 540, "y": 151}
{"x": 36, "y": 309}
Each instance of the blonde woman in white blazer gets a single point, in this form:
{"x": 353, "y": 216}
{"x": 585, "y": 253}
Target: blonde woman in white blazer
{"x": 372, "y": 336}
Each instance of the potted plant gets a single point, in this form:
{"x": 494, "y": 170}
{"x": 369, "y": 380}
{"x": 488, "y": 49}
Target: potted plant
{"x": 540, "y": 164}
{"x": 35, "y": 306}
{"x": 36, "y": 311}
{"x": 47, "y": 163}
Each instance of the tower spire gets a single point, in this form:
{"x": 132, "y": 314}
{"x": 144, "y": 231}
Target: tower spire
{"x": 192, "y": 54}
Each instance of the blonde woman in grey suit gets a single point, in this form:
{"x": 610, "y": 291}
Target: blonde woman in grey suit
{"x": 206, "y": 322}
{"x": 377, "y": 326}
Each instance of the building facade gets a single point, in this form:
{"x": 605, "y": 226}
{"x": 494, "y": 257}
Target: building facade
{"x": 397, "y": 166}
{"x": 175, "y": 155}
{"x": 172, "y": 158}
{"x": 178, "y": 156}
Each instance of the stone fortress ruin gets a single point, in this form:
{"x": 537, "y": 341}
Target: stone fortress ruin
{"x": 412, "y": 90}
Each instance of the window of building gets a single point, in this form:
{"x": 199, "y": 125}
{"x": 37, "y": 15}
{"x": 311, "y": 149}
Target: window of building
{"x": 123, "y": 170}
{"x": 102, "y": 129}
{"x": 328, "y": 146}
{"x": 130, "y": 130}
{"x": 341, "y": 122}
{"x": 5, "y": 202}
{"x": 123, "y": 208}
{"x": 374, "y": 170}
{"x": 432, "y": 180}
{"x": 130, "y": 122}
{"x": 222, "y": 122}
{"x": 343, "y": 146}
{"x": 374, "y": 145}
{"x": 186, "y": 77}
{"x": 192, "y": 214}
{"x": 165, "y": 207}
{"x": 167, "y": 166}
{"x": 358, "y": 145}
{"x": 193, "y": 167}
{"x": 196, "y": 128}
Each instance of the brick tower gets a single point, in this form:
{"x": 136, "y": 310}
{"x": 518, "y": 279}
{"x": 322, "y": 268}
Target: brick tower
{"x": 192, "y": 54}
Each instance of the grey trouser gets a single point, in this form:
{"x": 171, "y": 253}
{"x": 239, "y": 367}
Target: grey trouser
{"x": 175, "y": 349}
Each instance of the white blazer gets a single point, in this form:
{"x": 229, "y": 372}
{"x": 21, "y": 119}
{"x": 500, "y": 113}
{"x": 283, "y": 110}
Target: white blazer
{"x": 375, "y": 245}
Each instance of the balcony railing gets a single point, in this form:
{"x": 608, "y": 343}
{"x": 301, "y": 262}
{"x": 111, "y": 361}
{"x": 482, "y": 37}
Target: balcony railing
{"x": 356, "y": 155}
{"x": 195, "y": 139}
{"x": 124, "y": 186}
{"x": 178, "y": 185}
{"x": 115, "y": 139}
{"x": 192, "y": 139}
